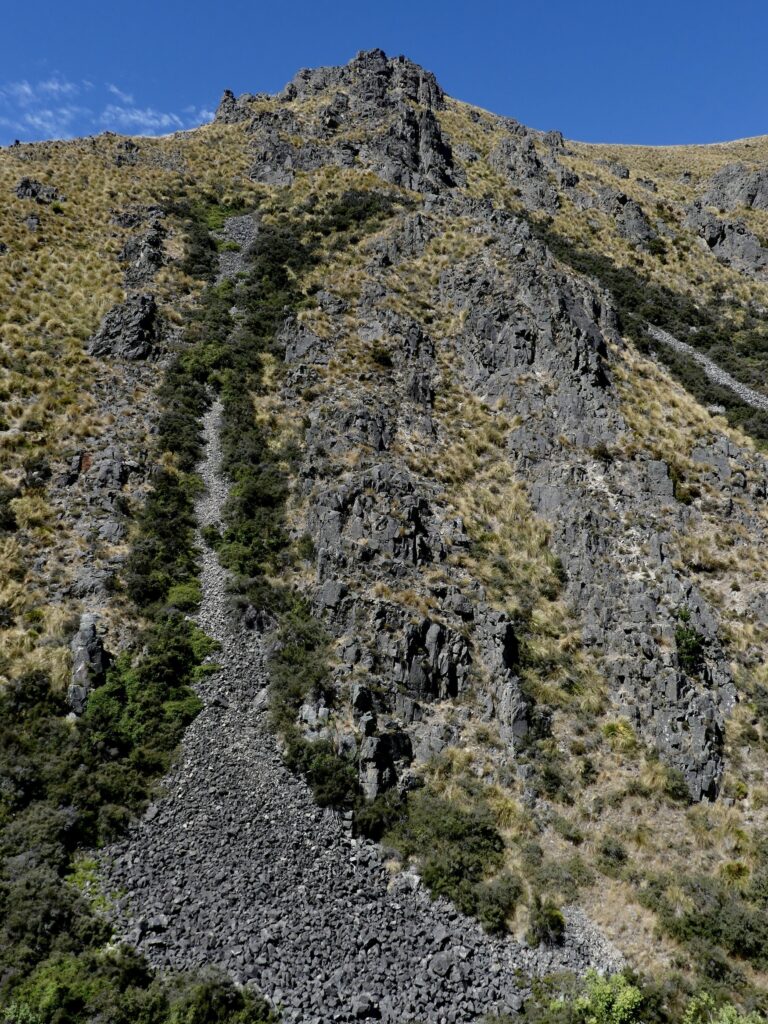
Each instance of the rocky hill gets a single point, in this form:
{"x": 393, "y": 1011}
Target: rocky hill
{"x": 383, "y": 602}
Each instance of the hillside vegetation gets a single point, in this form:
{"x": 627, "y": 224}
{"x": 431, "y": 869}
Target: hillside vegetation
{"x": 506, "y": 547}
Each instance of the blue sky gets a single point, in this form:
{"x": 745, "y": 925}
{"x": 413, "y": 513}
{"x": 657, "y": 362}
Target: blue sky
{"x": 647, "y": 72}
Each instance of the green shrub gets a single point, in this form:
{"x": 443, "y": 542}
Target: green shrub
{"x": 298, "y": 666}
{"x": 496, "y": 901}
{"x": 715, "y": 918}
{"x": 184, "y": 596}
{"x": 690, "y": 645}
{"x": 331, "y": 777}
{"x": 7, "y": 516}
{"x": 547, "y": 924}
{"x": 163, "y": 554}
{"x": 611, "y": 856}
{"x": 457, "y": 851}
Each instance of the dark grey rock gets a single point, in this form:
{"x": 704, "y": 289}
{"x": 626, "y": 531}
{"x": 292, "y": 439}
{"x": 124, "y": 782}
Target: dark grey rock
{"x": 616, "y": 169}
{"x": 371, "y": 80}
{"x": 28, "y": 188}
{"x": 736, "y": 186}
{"x": 89, "y": 663}
{"x": 234, "y": 110}
{"x": 129, "y": 331}
{"x": 143, "y": 255}
{"x": 731, "y": 242}
{"x": 631, "y": 221}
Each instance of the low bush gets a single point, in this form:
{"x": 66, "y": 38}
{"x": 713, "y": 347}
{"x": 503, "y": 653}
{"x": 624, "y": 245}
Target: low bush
{"x": 116, "y": 985}
{"x": 7, "y": 515}
{"x": 163, "y": 554}
{"x": 459, "y": 853}
{"x": 690, "y": 645}
{"x": 611, "y": 856}
{"x": 713, "y": 918}
{"x": 547, "y": 924}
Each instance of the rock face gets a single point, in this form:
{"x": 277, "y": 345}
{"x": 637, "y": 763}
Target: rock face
{"x": 631, "y": 222}
{"x": 231, "y": 109}
{"x": 737, "y": 186}
{"x": 143, "y": 255}
{"x": 28, "y": 188}
{"x": 128, "y": 331}
{"x": 372, "y": 80}
{"x": 403, "y": 144}
{"x": 731, "y": 242}
{"x": 89, "y": 663}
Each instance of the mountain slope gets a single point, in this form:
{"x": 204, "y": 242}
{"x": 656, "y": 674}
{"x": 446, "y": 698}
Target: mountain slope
{"x": 502, "y": 536}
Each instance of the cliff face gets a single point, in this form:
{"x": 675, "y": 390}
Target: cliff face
{"x": 533, "y": 341}
{"x": 507, "y": 426}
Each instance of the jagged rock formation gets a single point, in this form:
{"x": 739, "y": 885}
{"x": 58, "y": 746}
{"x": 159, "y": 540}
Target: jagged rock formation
{"x": 130, "y": 330}
{"x": 143, "y": 255}
{"x": 89, "y": 663}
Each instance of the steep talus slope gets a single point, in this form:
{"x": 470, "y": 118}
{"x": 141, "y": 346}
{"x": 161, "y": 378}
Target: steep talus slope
{"x": 283, "y": 898}
{"x": 494, "y": 545}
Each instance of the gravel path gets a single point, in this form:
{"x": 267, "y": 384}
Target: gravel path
{"x": 712, "y": 370}
{"x": 235, "y": 866}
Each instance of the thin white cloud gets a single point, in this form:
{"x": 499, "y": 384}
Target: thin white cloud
{"x": 20, "y": 93}
{"x": 124, "y": 97}
{"x": 55, "y": 122}
{"x": 57, "y": 87}
{"x": 146, "y": 119}
{"x": 48, "y": 108}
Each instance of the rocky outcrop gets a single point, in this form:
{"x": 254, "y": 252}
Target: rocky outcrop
{"x": 372, "y": 81}
{"x": 731, "y": 242}
{"x": 736, "y": 186}
{"x": 517, "y": 159}
{"x": 412, "y": 152}
{"x": 28, "y": 188}
{"x": 126, "y": 153}
{"x": 533, "y": 323}
{"x": 630, "y": 219}
{"x": 403, "y": 143}
{"x": 232, "y": 109}
{"x": 129, "y": 331}
{"x": 89, "y": 663}
{"x": 615, "y": 168}
{"x": 143, "y": 255}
